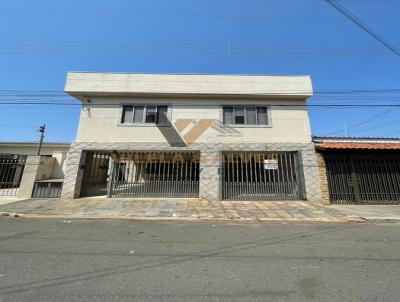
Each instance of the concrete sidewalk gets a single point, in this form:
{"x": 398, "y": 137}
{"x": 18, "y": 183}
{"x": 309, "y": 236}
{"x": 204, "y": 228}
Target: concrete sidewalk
{"x": 9, "y": 199}
{"x": 177, "y": 209}
{"x": 382, "y": 213}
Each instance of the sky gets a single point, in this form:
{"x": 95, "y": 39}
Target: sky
{"x": 41, "y": 40}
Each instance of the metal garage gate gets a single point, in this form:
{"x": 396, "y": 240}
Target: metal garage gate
{"x": 250, "y": 176}
{"x": 142, "y": 174}
{"x": 11, "y": 170}
{"x": 363, "y": 178}
{"x": 156, "y": 174}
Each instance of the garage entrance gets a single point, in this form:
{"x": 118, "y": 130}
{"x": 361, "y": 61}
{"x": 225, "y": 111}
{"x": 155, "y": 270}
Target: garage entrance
{"x": 261, "y": 176}
{"x": 142, "y": 174}
{"x": 362, "y": 178}
{"x": 156, "y": 174}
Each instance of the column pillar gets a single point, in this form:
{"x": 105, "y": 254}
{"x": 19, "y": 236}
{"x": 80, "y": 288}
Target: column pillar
{"x": 73, "y": 174}
{"x": 210, "y": 177}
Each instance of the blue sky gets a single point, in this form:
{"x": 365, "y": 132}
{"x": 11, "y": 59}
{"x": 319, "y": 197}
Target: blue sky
{"x": 41, "y": 40}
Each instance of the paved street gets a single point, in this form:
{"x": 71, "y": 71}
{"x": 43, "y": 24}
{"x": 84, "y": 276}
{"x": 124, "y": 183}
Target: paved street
{"x": 124, "y": 260}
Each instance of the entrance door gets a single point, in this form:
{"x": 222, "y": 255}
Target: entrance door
{"x": 95, "y": 175}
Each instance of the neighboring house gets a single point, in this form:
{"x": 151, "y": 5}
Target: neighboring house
{"x": 14, "y": 156}
{"x": 192, "y": 135}
{"x": 359, "y": 170}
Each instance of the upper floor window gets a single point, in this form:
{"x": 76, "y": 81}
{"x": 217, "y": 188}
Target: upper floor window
{"x": 245, "y": 115}
{"x": 144, "y": 114}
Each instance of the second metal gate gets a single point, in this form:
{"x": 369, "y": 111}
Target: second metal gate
{"x": 156, "y": 174}
{"x": 363, "y": 178}
{"x": 246, "y": 177}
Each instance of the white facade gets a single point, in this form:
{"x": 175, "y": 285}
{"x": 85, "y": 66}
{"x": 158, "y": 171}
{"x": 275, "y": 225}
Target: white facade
{"x": 101, "y": 121}
{"x": 194, "y": 97}
{"x": 208, "y": 114}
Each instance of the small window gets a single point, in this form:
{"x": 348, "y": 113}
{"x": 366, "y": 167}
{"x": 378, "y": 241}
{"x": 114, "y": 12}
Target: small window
{"x": 138, "y": 115}
{"x": 144, "y": 114}
{"x": 151, "y": 113}
{"x": 251, "y": 116}
{"x": 245, "y": 115}
{"x": 127, "y": 114}
{"x": 162, "y": 115}
{"x": 228, "y": 115}
{"x": 262, "y": 116}
{"x": 239, "y": 116}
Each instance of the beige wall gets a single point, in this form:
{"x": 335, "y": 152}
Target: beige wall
{"x": 101, "y": 122}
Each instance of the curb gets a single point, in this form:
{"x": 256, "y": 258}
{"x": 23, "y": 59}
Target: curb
{"x": 175, "y": 218}
{"x": 383, "y": 220}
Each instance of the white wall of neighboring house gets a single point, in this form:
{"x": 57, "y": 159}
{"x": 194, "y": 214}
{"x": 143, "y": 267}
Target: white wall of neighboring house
{"x": 101, "y": 121}
{"x": 58, "y": 150}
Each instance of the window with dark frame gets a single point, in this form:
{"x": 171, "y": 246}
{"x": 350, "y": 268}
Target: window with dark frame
{"x": 141, "y": 114}
{"x": 245, "y": 115}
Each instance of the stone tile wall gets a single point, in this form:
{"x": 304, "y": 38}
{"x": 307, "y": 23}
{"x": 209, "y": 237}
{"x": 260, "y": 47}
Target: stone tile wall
{"x": 210, "y": 178}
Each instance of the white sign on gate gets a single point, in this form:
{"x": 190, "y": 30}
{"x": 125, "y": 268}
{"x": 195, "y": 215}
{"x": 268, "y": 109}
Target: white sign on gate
{"x": 270, "y": 164}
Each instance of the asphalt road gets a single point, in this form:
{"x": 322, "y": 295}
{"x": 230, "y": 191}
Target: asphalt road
{"x": 110, "y": 260}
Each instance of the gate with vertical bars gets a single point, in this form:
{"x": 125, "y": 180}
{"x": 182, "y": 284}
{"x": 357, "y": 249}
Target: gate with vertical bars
{"x": 142, "y": 174}
{"x": 11, "y": 170}
{"x": 156, "y": 174}
{"x": 246, "y": 177}
{"x": 363, "y": 178}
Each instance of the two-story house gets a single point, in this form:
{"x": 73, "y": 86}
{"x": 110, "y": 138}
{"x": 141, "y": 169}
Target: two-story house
{"x": 192, "y": 136}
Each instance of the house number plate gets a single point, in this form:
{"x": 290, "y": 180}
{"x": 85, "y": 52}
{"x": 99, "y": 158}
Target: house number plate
{"x": 270, "y": 164}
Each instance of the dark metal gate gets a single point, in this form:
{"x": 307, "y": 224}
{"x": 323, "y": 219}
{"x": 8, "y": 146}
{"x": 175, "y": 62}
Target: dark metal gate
{"x": 248, "y": 176}
{"x": 95, "y": 176}
{"x": 363, "y": 178}
{"x": 156, "y": 174}
{"x": 141, "y": 174}
{"x": 11, "y": 170}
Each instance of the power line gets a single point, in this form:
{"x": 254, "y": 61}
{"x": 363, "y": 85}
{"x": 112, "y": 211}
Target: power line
{"x": 378, "y": 126}
{"x": 332, "y": 106}
{"x": 188, "y": 15}
{"x": 363, "y": 26}
{"x": 361, "y": 123}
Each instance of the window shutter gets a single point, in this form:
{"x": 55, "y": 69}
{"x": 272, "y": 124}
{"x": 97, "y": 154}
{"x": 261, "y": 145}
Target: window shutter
{"x": 262, "y": 116}
{"x": 251, "y": 116}
{"x": 151, "y": 114}
{"x": 162, "y": 115}
{"x": 138, "y": 116}
{"x": 127, "y": 114}
{"x": 239, "y": 116}
{"x": 228, "y": 115}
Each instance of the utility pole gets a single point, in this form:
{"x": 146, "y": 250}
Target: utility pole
{"x": 42, "y": 129}
{"x": 346, "y": 129}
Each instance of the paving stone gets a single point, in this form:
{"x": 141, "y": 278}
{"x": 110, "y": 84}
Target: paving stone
{"x": 114, "y": 208}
